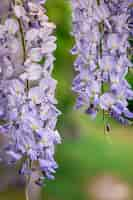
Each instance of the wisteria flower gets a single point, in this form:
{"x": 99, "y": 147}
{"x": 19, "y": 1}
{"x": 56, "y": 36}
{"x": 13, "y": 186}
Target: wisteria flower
{"x": 101, "y": 30}
{"x": 27, "y": 91}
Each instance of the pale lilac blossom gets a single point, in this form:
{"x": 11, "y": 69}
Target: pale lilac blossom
{"x": 101, "y": 31}
{"x": 27, "y": 90}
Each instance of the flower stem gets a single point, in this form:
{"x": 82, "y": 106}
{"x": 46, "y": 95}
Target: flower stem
{"x": 22, "y": 39}
{"x": 98, "y": 2}
{"x": 101, "y": 30}
{"x": 21, "y": 32}
{"x": 22, "y": 35}
{"x": 27, "y": 192}
{"x": 28, "y": 178}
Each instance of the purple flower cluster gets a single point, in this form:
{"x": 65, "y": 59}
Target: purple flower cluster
{"x": 101, "y": 31}
{"x": 130, "y": 19}
{"x": 27, "y": 91}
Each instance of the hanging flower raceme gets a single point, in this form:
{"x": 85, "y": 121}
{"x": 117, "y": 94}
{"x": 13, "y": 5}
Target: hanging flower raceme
{"x": 101, "y": 32}
{"x": 27, "y": 90}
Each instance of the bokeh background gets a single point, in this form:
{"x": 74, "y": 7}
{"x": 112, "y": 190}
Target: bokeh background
{"x": 92, "y": 166}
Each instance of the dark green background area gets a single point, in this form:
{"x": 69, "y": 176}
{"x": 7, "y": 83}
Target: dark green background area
{"x": 85, "y": 152}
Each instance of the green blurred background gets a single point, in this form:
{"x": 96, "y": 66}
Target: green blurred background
{"x": 92, "y": 166}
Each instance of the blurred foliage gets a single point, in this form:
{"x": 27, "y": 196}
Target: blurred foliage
{"x": 59, "y": 12}
{"x": 89, "y": 153}
{"x": 84, "y": 159}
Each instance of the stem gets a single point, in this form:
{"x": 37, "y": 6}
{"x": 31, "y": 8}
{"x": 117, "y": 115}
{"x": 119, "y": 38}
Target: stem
{"x": 101, "y": 30}
{"x": 28, "y": 178}
{"x": 21, "y": 31}
{"x": 22, "y": 35}
{"x": 22, "y": 39}
{"x": 24, "y": 49}
{"x": 27, "y": 192}
{"x": 98, "y": 2}
{"x": 101, "y": 27}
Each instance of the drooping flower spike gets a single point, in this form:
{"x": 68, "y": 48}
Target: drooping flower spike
{"x": 101, "y": 32}
{"x": 28, "y": 110}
